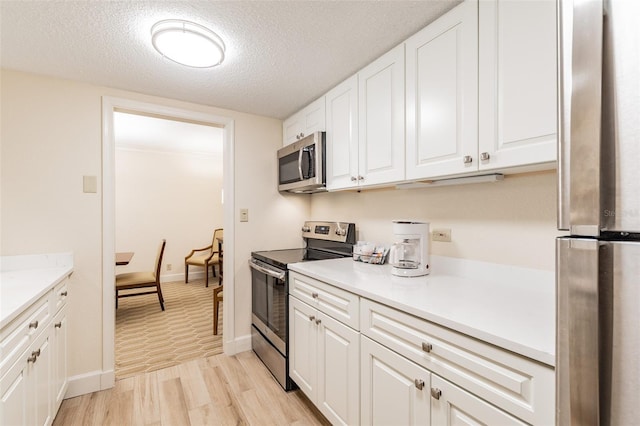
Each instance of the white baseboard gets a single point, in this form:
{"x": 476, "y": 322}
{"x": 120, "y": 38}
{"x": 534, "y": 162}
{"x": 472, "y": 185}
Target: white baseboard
{"x": 240, "y": 344}
{"x": 92, "y": 381}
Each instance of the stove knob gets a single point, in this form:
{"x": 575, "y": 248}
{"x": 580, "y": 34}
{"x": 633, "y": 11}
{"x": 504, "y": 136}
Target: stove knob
{"x": 306, "y": 229}
{"x": 341, "y": 232}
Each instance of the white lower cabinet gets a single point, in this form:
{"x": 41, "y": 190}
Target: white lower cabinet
{"x": 397, "y": 391}
{"x": 33, "y": 367}
{"x": 393, "y": 368}
{"x": 323, "y": 361}
{"x": 394, "y": 390}
{"x": 25, "y": 389}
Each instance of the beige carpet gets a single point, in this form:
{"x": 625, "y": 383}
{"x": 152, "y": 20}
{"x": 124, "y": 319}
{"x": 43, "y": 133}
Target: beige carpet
{"x": 148, "y": 339}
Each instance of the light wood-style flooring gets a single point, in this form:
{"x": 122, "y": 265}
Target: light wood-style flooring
{"x": 219, "y": 390}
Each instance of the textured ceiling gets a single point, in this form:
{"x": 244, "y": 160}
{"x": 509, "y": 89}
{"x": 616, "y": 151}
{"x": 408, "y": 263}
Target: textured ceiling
{"x": 280, "y": 55}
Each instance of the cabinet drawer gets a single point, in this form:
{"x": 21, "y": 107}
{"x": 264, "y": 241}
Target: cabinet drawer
{"x": 59, "y": 295}
{"x": 518, "y": 385}
{"x": 333, "y": 301}
{"x": 17, "y": 336}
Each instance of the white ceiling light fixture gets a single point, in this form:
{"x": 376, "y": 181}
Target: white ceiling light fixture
{"x": 187, "y": 43}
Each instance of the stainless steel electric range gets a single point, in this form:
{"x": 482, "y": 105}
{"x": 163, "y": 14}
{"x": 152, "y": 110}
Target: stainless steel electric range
{"x": 270, "y": 290}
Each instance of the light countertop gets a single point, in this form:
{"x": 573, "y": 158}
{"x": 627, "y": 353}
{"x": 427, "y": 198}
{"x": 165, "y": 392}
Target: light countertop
{"x": 24, "y": 279}
{"x": 510, "y": 307}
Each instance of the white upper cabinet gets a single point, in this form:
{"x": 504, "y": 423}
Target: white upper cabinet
{"x": 381, "y": 117}
{"x": 308, "y": 120}
{"x": 365, "y": 126}
{"x": 442, "y": 95}
{"x": 342, "y": 135}
{"x": 517, "y": 75}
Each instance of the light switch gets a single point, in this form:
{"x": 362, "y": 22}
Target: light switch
{"x": 89, "y": 184}
{"x": 244, "y": 215}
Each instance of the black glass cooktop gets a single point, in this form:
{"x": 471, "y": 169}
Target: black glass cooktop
{"x": 281, "y": 258}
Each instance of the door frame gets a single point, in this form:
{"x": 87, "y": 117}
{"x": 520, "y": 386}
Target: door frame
{"x": 109, "y": 106}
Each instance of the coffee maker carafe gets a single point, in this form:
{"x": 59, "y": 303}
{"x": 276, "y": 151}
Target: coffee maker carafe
{"x": 409, "y": 255}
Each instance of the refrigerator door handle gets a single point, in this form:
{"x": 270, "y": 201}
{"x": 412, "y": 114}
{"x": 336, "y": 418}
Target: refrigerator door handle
{"x": 577, "y": 358}
{"x": 580, "y": 50}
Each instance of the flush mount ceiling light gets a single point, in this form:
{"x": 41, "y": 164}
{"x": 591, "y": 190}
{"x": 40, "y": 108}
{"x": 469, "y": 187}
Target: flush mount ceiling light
{"x": 187, "y": 43}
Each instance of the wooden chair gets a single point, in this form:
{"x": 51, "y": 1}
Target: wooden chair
{"x": 217, "y": 292}
{"x": 207, "y": 256}
{"x": 142, "y": 280}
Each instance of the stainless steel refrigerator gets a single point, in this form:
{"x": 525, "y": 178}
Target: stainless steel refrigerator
{"x": 598, "y": 264}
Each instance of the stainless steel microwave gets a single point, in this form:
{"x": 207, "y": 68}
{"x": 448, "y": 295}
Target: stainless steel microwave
{"x": 301, "y": 165}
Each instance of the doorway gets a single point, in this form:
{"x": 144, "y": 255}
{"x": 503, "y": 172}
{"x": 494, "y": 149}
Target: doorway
{"x": 168, "y": 185}
{"x": 111, "y": 106}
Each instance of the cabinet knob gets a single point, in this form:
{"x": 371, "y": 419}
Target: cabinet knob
{"x": 33, "y": 325}
{"x": 34, "y": 356}
{"x": 311, "y": 317}
{"x": 58, "y": 324}
{"x": 353, "y": 178}
{"x": 360, "y": 177}
{"x": 314, "y": 295}
{"x": 485, "y": 156}
{"x": 419, "y": 383}
{"x": 64, "y": 293}
{"x": 427, "y": 347}
{"x": 318, "y": 322}
{"x": 467, "y": 159}
{"x": 436, "y": 393}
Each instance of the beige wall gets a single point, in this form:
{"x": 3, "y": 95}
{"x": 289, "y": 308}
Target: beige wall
{"x": 171, "y": 195}
{"x": 51, "y": 135}
{"x": 510, "y": 222}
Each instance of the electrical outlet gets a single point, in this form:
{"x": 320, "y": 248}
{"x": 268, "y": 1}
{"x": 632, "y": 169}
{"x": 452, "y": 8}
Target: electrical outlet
{"x": 443, "y": 235}
{"x": 169, "y": 266}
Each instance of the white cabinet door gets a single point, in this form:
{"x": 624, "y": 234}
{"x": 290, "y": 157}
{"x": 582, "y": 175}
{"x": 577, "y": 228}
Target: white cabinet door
{"x": 40, "y": 382}
{"x": 59, "y": 364}
{"x": 342, "y": 135}
{"x": 442, "y": 95}
{"x": 394, "y": 391}
{"x": 338, "y": 395}
{"x": 306, "y": 121}
{"x": 381, "y": 119}
{"x": 302, "y": 346}
{"x": 454, "y": 406}
{"x": 517, "y": 76}
{"x": 14, "y": 397}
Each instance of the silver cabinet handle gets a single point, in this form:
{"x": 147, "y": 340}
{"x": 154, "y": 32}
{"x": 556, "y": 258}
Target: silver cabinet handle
{"x": 34, "y": 356}
{"x": 58, "y": 324}
{"x": 314, "y": 295}
{"x": 485, "y": 156}
{"x": 436, "y": 393}
{"x": 64, "y": 293}
{"x": 467, "y": 159}
{"x": 427, "y": 347}
{"x": 34, "y": 324}
{"x": 419, "y": 383}
{"x": 318, "y": 321}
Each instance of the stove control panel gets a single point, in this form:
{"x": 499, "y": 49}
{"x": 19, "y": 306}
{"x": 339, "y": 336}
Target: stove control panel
{"x": 343, "y": 232}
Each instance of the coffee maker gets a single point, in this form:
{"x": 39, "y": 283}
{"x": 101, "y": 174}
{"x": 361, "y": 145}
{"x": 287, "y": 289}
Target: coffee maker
{"x": 409, "y": 255}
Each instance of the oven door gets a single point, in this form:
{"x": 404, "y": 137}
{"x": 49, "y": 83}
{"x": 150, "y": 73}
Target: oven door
{"x": 269, "y": 302}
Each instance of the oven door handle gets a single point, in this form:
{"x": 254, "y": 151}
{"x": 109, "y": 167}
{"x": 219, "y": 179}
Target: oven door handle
{"x": 280, "y": 275}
